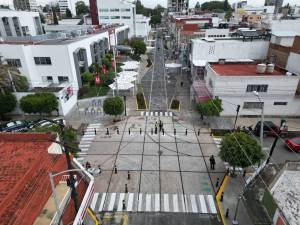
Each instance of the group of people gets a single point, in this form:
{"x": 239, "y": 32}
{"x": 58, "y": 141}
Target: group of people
{"x": 161, "y": 126}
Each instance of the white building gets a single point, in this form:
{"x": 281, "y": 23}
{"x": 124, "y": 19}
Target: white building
{"x": 234, "y": 83}
{"x": 143, "y": 26}
{"x": 281, "y": 25}
{"x": 25, "y": 5}
{"x": 70, "y": 4}
{"x": 117, "y": 12}
{"x": 19, "y": 23}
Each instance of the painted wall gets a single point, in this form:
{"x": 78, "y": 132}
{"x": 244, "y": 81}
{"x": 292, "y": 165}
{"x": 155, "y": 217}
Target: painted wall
{"x": 293, "y": 63}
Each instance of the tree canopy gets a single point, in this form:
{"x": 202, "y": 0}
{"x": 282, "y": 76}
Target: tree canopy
{"x": 216, "y": 5}
{"x": 55, "y": 20}
{"x": 211, "y": 107}
{"x": 81, "y": 8}
{"x": 68, "y": 13}
{"x": 197, "y": 6}
{"x": 138, "y": 45}
{"x": 39, "y": 103}
{"x": 8, "y": 103}
{"x": 240, "y": 150}
{"x": 113, "y": 106}
{"x": 155, "y": 19}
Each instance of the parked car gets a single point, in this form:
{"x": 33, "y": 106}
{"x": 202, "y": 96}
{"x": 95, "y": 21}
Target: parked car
{"x": 43, "y": 122}
{"x": 15, "y": 126}
{"x": 293, "y": 144}
{"x": 270, "y": 129}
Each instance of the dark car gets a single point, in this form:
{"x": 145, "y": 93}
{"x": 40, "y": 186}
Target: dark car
{"x": 43, "y": 123}
{"x": 15, "y": 126}
{"x": 270, "y": 129}
{"x": 293, "y": 144}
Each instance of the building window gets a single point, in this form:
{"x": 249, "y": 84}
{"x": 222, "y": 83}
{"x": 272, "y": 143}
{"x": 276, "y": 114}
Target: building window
{"x": 47, "y": 79}
{"x": 115, "y": 17}
{"x": 258, "y": 88}
{"x": 280, "y": 103}
{"x": 14, "y": 62}
{"x": 253, "y": 105}
{"x": 125, "y": 17}
{"x": 62, "y": 79}
{"x": 114, "y": 10}
{"x": 103, "y": 10}
{"x": 42, "y": 60}
{"x": 125, "y": 10}
{"x": 104, "y": 17}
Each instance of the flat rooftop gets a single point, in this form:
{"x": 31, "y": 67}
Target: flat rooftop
{"x": 241, "y": 70}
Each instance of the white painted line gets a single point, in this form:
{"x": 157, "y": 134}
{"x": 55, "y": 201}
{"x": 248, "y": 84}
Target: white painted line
{"x": 120, "y": 205}
{"x": 130, "y": 202}
{"x": 202, "y": 204}
{"x": 84, "y": 149}
{"x": 94, "y": 201}
{"x": 80, "y": 159}
{"x": 175, "y": 203}
{"x": 161, "y": 113}
{"x": 171, "y": 114}
{"x": 166, "y": 203}
{"x": 186, "y": 208}
{"x": 102, "y": 202}
{"x": 151, "y": 113}
{"x": 211, "y": 204}
{"x": 87, "y": 139}
{"x": 157, "y": 203}
{"x": 142, "y": 113}
{"x": 98, "y": 124}
{"x": 140, "y": 202}
{"x": 156, "y": 113}
{"x": 81, "y": 153}
{"x": 84, "y": 146}
{"x": 166, "y": 114}
{"x": 147, "y": 113}
{"x": 112, "y": 202}
{"x": 194, "y": 204}
{"x": 148, "y": 203}
{"x": 183, "y": 205}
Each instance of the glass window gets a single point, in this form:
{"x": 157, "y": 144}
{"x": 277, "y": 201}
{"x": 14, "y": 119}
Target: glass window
{"x": 49, "y": 78}
{"x": 125, "y": 10}
{"x": 42, "y": 60}
{"x": 104, "y": 17}
{"x": 114, "y": 10}
{"x": 115, "y": 17}
{"x": 280, "y": 103}
{"x": 253, "y": 105}
{"x": 103, "y": 10}
{"x": 125, "y": 17}
{"x": 258, "y": 88}
{"x": 14, "y": 62}
{"x": 62, "y": 79}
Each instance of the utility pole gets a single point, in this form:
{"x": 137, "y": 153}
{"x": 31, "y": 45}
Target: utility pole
{"x": 125, "y": 105}
{"x": 236, "y": 116}
{"x": 234, "y": 221}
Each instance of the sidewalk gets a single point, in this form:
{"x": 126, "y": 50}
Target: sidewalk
{"x": 232, "y": 190}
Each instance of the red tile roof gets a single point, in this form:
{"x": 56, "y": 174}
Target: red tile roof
{"x": 240, "y": 70}
{"x": 24, "y": 182}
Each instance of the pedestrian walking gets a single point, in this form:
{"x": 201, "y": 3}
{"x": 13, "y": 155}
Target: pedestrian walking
{"x": 181, "y": 84}
{"x": 99, "y": 168}
{"x": 128, "y": 175}
{"x": 155, "y": 131}
{"x": 218, "y": 182}
{"x": 212, "y": 162}
{"x": 116, "y": 171}
{"x": 160, "y": 126}
{"x": 222, "y": 196}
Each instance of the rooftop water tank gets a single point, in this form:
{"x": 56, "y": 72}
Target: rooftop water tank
{"x": 261, "y": 68}
{"x": 270, "y": 68}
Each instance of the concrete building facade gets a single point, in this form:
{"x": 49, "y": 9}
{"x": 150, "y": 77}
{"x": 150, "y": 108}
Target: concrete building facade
{"x": 25, "y": 5}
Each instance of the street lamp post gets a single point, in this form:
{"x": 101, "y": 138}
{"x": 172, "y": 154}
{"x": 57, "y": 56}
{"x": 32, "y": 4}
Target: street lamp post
{"x": 234, "y": 221}
{"x": 262, "y": 120}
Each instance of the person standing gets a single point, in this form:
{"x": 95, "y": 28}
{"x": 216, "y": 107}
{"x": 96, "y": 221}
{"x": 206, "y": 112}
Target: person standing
{"x": 212, "y": 162}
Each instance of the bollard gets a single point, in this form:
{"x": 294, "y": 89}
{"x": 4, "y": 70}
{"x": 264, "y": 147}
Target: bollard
{"x": 244, "y": 173}
{"x": 118, "y": 131}
{"x": 155, "y": 131}
{"x": 174, "y": 131}
{"x": 140, "y": 130}
{"x": 227, "y": 213}
{"x": 126, "y": 188}
{"x": 151, "y": 131}
{"x": 83, "y": 133}
{"x": 116, "y": 171}
{"x": 222, "y": 196}
{"x": 107, "y": 131}
{"x": 198, "y": 132}
{"x": 185, "y": 131}
{"x": 95, "y": 131}
{"x": 124, "y": 206}
{"x": 163, "y": 131}
{"x": 128, "y": 175}
{"x": 128, "y": 130}
{"x": 217, "y": 183}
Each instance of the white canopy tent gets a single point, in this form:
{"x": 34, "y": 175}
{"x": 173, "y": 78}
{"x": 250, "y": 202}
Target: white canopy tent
{"x": 125, "y": 79}
{"x": 173, "y": 65}
{"x": 128, "y": 73}
{"x": 130, "y": 66}
{"x": 121, "y": 86}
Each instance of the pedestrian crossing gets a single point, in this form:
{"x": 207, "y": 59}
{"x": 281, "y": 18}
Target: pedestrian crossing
{"x": 156, "y": 114}
{"x": 144, "y": 202}
{"x": 88, "y": 137}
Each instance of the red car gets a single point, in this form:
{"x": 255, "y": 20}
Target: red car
{"x": 293, "y": 144}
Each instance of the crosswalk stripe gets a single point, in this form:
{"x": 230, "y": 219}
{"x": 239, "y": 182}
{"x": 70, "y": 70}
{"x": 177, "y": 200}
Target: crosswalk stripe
{"x": 186, "y": 203}
{"x": 183, "y": 205}
{"x": 94, "y": 201}
{"x": 171, "y": 114}
{"x": 194, "y": 204}
{"x": 112, "y": 202}
{"x": 175, "y": 203}
{"x": 142, "y": 113}
{"x": 140, "y": 202}
{"x": 166, "y": 114}
{"x": 147, "y": 113}
{"x": 202, "y": 204}
{"x": 161, "y": 113}
{"x": 156, "y": 113}
{"x": 157, "y": 203}
{"x": 148, "y": 203}
{"x": 130, "y": 202}
{"x": 151, "y": 113}
{"x": 211, "y": 204}
{"x": 102, "y": 202}
{"x": 166, "y": 202}
{"x": 120, "y": 205}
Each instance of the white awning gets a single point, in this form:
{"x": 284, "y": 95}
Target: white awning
{"x": 121, "y": 86}
{"x": 173, "y": 65}
{"x": 128, "y": 73}
{"x": 201, "y": 63}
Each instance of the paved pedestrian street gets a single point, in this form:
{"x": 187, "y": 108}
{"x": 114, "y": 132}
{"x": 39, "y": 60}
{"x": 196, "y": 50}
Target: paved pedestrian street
{"x": 167, "y": 171}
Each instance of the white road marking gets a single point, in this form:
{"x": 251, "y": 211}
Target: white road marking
{"x": 102, "y": 202}
{"x": 202, "y": 204}
{"x": 94, "y": 201}
{"x": 211, "y": 204}
{"x": 175, "y": 203}
{"x": 148, "y": 203}
{"x": 166, "y": 202}
{"x": 120, "y": 205}
{"x": 194, "y": 204}
{"x": 130, "y": 202}
{"x": 140, "y": 202}
{"x": 157, "y": 203}
{"x": 112, "y": 202}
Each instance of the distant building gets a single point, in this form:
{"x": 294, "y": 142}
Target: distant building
{"x": 25, "y": 5}
{"x": 276, "y": 3}
{"x": 143, "y": 26}
{"x": 69, "y": 4}
{"x": 19, "y": 23}
{"x": 178, "y": 5}
{"x": 241, "y": 4}
{"x": 234, "y": 83}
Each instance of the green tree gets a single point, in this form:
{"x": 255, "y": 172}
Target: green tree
{"x": 226, "y": 5}
{"x": 228, "y": 15}
{"x": 55, "y": 20}
{"x": 8, "y": 103}
{"x": 155, "y": 19}
{"x": 240, "y": 150}
{"x": 42, "y": 18}
{"x": 113, "y": 106}
{"x": 81, "y": 8}
{"x": 197, "y": 6}
{"x": 211, "y": 107}
{"x": 215, "y": 5}
{"x": 39, "y": 103}
{"x": 138, "y": 45}
{"x": 68, "y": 13}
